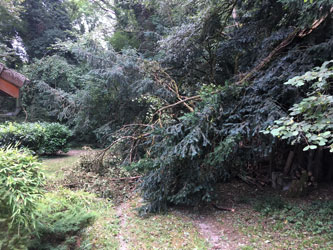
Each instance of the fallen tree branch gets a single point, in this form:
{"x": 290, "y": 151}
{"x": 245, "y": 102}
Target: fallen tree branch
{"x": 267, "y": 59}
{"x": 127, "y": 178}
{"x": 134, "y": 178}
{"x": 315, "y": 25}
{"x": 249, "y": 180}
{"x": 197, "y": 97}
{"x": 171, "y": 85}
{"x": 223, "y": 208}
{"x": 103, "y": 152}
{"x": 283, "y": 44}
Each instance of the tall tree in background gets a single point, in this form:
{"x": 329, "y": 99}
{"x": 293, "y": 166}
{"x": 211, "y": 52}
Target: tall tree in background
{"x": 10, "y": 25}
{"x": 46, "y": 21}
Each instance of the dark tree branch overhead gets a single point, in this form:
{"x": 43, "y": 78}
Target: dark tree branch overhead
{"x": 105, "y": 8}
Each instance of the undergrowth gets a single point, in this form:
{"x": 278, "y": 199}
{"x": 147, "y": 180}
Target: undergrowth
{"x": 269, "y": 204}
{"x": 61, "y": 217}
{"x": 316, "y": 217}
{"x": 102, "y": 175}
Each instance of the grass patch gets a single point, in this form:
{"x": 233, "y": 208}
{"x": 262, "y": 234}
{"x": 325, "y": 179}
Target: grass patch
{"x": 104, "y": 232}
{"x": 53, "y": 167}
{"x": 163, "y": 231}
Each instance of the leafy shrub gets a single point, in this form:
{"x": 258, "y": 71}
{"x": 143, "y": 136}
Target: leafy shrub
{"x": 61, "y": 216}
{"x": 42, "y": 138}
{"x": 20, "y": 188}
{"x": 310, "y": 121}
{"x": 55, "y": 138}
{"x": 122, "y": 40}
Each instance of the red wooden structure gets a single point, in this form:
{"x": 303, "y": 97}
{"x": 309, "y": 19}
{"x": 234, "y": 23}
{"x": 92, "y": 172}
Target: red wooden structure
{"x": 10, "y": 84}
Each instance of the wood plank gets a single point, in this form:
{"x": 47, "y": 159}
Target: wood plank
{"x": 9, "y": 88}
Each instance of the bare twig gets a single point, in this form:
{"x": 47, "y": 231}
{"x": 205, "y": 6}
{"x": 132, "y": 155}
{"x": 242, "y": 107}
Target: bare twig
{"x": 197, "y": 97}
{"x": 104, "y": 8}
{"x": 103, "y": 152}
{"x": 223, "y": 208}
{"x": 126, "y": 178}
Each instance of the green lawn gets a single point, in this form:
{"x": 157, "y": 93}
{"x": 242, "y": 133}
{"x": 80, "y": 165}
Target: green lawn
{"x": 54, "y": 167}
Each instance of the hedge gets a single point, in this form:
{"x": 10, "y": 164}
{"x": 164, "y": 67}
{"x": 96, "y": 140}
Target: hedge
{"x": 40, "y": 137}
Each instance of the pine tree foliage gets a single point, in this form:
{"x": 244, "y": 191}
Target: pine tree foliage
{"x": 306, "y": 12}
{"x": 184, "y": 157}
{"x": 105, "y": 91}
{"x": 188, "y": 157}
{"x": 185, "y": 98}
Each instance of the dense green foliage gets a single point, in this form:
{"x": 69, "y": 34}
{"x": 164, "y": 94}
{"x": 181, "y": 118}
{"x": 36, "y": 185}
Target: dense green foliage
{"x": 61, "y": 217}
{"x": 57, "y": 72}
{"x": 197, "y": 152}
{"x": 20, "y": 190}
{"x": 10, "y": 23}
{"x": 40, "y": 137}
{"x": 31, "y": 218}
{"x": 310, "y": 121}
{"x": 121, "y": 40}
{"x": 181, "y": 90}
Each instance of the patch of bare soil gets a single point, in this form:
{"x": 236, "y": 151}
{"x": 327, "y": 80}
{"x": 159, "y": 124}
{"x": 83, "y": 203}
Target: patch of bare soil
{"x": 217, "y": 226}
{"x": 75, "y": 152}
{"x": 123, "y": 221}
{"x": 219, "y": 236}
{"x": 219, "y": 233}
{"x": 72, "y": 152}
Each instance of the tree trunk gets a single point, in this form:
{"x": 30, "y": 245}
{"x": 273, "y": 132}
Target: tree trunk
{"x": 290, "y": 159}
{"x": 318, "y": 165}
